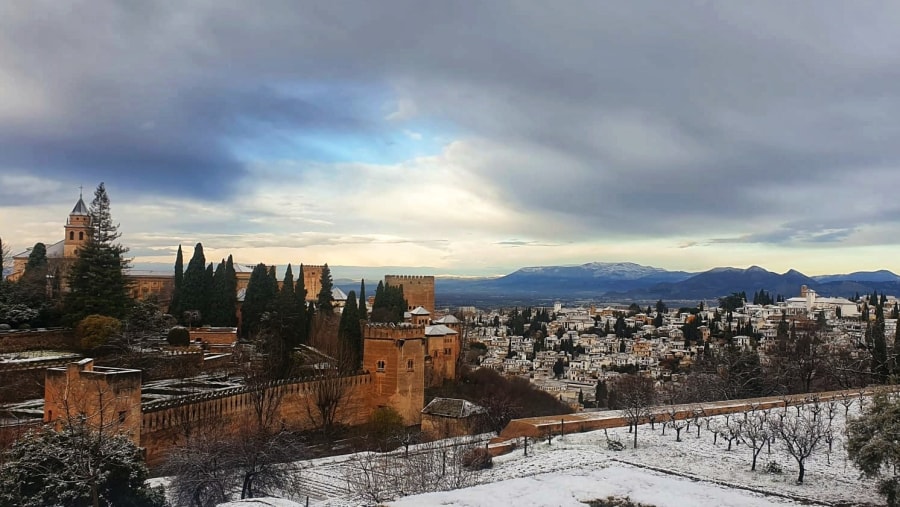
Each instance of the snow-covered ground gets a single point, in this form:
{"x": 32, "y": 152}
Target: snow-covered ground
{"x": 578, "y": 467}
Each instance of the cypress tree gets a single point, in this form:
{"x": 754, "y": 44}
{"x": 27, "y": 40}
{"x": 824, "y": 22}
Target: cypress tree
{"x": 257, "y": 299}
{"x": 194, "y": 286}
{"x": 97, "y": 282}
{"x": 208, "y": 284}
{"x": 175, "y": 304}
{"x": 895, "y": 353}
{"x": 363, "y": 312}
{"x": 879, "y": 346}
{"x": 288, "y": 310}
{"x": 217, "y": 305}
{"x": 325, "y": 299}
{"x": 350, "y": 332}
{"x": 229, "y": 294}
{"x": 303, "y": 310}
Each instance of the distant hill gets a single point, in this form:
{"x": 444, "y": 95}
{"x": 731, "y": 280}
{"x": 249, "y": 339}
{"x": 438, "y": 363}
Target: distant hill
{"x": 882, "y": 275}
{"x": 626, "y": 281}
{"x": 720, "y": 282}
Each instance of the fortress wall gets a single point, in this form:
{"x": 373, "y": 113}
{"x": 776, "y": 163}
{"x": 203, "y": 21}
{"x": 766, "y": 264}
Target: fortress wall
{"x": 167, "y": 424}
{"x": 51, "y": 339}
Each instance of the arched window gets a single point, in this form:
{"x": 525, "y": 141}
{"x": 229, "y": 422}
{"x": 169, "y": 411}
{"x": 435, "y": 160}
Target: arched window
{"x": 71, "y": 235}
{"x": 409, "y": 365}
{"x": 379, "y": 366}
{"x": 80, "y": 235}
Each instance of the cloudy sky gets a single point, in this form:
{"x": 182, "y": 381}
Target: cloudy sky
{"x": 467, "y": 137}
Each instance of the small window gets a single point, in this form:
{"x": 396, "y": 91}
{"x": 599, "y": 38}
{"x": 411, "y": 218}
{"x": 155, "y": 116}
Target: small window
{"x": 71, "y": 235}
{"x": 447, "y": 352}
{"x": 409, "y": 365}
{"x": 80, "y": 235}
{"x": 379, "y": 366}
{"x": 122, "y": 416}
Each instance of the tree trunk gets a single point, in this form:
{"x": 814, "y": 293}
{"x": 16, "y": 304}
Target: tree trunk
{"x": 802, "y": 471}
{"x": 635, "y": 436}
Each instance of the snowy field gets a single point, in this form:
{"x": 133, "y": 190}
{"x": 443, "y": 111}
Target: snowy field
{"x": 578, "y": 467}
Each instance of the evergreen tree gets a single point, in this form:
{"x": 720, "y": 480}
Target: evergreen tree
{"x": 389, "y": 304}
{"x": 363, "y": 312}
{"x": 33, "y": 283}
{"x": 97, "y": 282}
{"x": 304, "y": 316}
{"x": 350, "y": 332}
{"x": 222, "y": 300}
{"x": 258, "y": 298}
{"x": 881, "y": 367}
{"x": 288, "y": 310}
{"x": 175, "y": 306}
{"x": 195, "y": 287}
{"x": 325, "y": 299}
{"x": 215, "y": 316}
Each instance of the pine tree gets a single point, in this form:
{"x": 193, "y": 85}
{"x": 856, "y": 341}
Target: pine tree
{"x": 195, "y": 287}
{"x": 325, "y": 299}
{"x": 97, "y": 282}
{"x": 175, "y": 306}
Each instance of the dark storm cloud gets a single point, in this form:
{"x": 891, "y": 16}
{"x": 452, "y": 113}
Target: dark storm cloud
{"x": 634, "y": 118}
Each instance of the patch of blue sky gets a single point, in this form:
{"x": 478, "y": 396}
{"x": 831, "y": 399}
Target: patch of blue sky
{"x": 350, "y": 124}
{"x": 392, "y": 145}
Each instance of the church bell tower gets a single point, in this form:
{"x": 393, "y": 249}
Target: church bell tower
{"x": 78, "y": 229}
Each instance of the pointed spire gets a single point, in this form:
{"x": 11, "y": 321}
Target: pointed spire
{"x": 80, "y": 208}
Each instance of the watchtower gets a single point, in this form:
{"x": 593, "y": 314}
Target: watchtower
{"x": 105, "y": 399}
{"x": 418, "y": 290}
{"x": 394, "y": 354}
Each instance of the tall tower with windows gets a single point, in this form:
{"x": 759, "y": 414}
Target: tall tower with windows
{"x": 78, "y": 229}
{"x": 395, "y": 357}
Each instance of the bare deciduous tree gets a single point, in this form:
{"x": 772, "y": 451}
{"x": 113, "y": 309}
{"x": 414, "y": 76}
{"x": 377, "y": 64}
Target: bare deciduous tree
{"x": 755, "y": 433}
{"x": 635, "y": 396}
{"x": 801, "y": 435}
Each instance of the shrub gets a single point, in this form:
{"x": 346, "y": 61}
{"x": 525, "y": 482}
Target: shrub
{"x": 95, "y": 330}
{"x": 179, "y": 337}
{"x": 477, "y": 458}
{"x": 615, "y": 445}
{"x": 383, "y": 426}
{"x": 773, "y": 467}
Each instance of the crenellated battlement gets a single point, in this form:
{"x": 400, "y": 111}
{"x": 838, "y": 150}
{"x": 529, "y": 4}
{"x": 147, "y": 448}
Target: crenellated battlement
{"x": 409, "y": 277}
{"x": 403, "y": 331}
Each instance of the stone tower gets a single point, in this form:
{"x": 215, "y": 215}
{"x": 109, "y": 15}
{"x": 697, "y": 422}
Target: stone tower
{"x": 394, "y": 354}
{"x": 78, "y": 229}
{"x": 418, "y": 290}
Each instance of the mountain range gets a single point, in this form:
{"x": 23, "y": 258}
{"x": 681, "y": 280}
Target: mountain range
{"x": 625, "y": 281}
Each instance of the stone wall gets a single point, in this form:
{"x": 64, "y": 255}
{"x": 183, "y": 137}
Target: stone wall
{"x": 165, "y": 424}
{"x": 50, "y": 339}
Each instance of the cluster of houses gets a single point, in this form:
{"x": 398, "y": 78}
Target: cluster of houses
{"x": 659, "y": 351}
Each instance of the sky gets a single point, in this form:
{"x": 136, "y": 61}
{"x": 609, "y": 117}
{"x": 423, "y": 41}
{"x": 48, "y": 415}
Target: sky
{"x": 461, "y": 137}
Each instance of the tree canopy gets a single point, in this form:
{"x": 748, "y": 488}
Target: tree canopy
{"x": 97, "y": 282}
